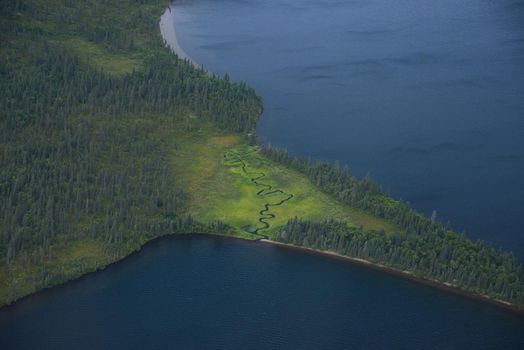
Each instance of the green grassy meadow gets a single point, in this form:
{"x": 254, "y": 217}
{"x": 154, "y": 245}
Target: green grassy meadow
{"x": 117, "y": 63}
{"x": 220, "y": 190}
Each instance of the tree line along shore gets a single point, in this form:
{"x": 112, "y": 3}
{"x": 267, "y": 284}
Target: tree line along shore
{"x": 93, "y": 112}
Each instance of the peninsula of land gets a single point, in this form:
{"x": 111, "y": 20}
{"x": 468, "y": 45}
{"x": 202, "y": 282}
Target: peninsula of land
{"x": 111, "y": 141}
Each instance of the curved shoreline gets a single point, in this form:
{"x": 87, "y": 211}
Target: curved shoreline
{"x": 446, "y": 287}
{"x": 167, "y": 30}
{"x": 171, "y": 41}
{"x": 328, "y": 254}
{"x": 123, "y": 259}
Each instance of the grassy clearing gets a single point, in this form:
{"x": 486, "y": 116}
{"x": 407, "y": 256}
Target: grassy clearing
{"x": 220, "y": 190}
{"x": 96, "y": 55}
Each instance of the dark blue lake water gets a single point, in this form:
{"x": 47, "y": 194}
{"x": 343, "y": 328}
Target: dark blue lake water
{"x": 426, "y": 96}
{"x": 215, "y": 293}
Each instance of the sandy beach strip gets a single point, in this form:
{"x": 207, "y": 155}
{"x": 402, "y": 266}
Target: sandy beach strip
{"x": 167, "y": 29}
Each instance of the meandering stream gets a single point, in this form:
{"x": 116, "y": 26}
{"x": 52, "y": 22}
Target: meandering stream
{"x": 237, "y": 158}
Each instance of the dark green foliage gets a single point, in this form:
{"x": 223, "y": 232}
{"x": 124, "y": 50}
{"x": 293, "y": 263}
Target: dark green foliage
{"x": 449, "y": 257}
{"x": 56, "y": 81}
{"x": 423, "y": 247}
{"x": 364, "y": 194}
{"x": 84, "y": 154}
{"x": 83, "y": 177}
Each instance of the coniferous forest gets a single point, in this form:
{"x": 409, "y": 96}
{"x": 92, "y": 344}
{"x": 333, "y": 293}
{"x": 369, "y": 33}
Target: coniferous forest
{"x": 422, "y": 246}
{"x": 88, "y": 94}
{"x": 82, "y": 153}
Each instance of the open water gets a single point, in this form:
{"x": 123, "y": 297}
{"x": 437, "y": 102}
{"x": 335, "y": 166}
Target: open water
{"x": 195, "y": 292}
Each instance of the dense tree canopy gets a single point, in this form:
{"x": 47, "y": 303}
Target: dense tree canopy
{"x": 83, "y": 151}
{"x": 422, "y": 245}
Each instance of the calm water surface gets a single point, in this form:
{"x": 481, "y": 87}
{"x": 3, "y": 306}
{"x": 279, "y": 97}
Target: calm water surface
{"x": 426, "y": 96}
{"x": 213, "y": 293}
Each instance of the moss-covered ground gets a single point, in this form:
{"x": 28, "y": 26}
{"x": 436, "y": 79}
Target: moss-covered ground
{"x": 117, "y": 63}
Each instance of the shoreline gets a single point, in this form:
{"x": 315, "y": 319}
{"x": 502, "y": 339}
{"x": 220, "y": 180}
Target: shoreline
{"x": 167, "y": 30}
{"x": 122, "y": 259}
{"x": 446, "y": 287}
